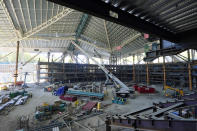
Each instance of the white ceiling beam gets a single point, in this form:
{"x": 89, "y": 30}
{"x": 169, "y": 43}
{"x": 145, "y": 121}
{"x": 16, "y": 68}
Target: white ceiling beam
{"x": 41, "y": 11}
{"x": 9, "y": 49}
{"x": 47, "y": 11}
{"x": 20, "y": 6}
{"x": 31, "y": 50}
{"x": 8, "y": 17}
{"x": 44, "y": 25}
{"x": 128, "y": 41}
{"x": 35, "y": 12}
{"x": 13, "y": 9}
{"x": 94, "y": 45}
{"x": 65, "y": 38}
{"x": 53, "y": 8}
{"x": 28, "y": 11}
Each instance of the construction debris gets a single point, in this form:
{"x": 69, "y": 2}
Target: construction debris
{"x": 15, "y": 98}
{"x": 82, "y": 93}
{"x": 181, "y": 114}
{"x": 45, "y": 112}
{"x": 68, "y": 98}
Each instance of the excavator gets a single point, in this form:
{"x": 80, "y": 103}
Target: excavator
{"x": 178, "y": 92}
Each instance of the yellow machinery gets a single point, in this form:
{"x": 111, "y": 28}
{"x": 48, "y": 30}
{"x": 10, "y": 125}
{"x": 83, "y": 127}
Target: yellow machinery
{"x": 179, "y": 91}
{"x": 98, "y": 106}
{"x": 3, "y": 87}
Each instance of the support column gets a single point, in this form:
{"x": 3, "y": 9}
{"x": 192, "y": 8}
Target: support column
{"x": 48, "y": 56}
{"x": 107, "y": 124}
{"x": 147, "y": 74}
{"x": 134, "y": 68}
{"x": 164, "y": 72}
{"x": 193, "y": 54}
{"x": 189, "y": 70}
{"x": 87, "y": 60}
{"x": 172, "y": 57}
{"x": 17, "y": 56}
{"x": 77, "y": 59}
{"x": 38, "y": 71}
{"x": 63, "y": 66}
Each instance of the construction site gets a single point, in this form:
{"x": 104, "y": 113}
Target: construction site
{"x": 98, "y": 65}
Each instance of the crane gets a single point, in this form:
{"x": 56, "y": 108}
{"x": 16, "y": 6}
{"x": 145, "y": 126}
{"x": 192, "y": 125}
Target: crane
{"x": 123, "y": 88}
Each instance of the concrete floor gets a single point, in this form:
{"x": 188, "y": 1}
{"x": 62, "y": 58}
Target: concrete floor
{"x": 9, "y": 122}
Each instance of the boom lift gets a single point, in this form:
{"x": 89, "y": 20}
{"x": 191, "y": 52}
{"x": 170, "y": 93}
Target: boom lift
{"x": 122, "y": 90}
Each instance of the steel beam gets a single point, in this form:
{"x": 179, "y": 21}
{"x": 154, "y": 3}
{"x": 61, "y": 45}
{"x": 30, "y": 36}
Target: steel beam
{"x": 185, "y": 102}
{"x": 9, "y": 17}
{"x": 156, "y": 114}
{"x": 79, "y": 30}
{"x": 164, "y": 72}
{"x": 190, "y": 96}
{"x": 104, "y": 10}
{"x": 158, "y": 125}
{"x": 81, "y": 25}
{"x": 189, "y": 70}
{"x": 134, "y": 68}
{"x": 31, "y": 58}
{"x": 62, "y": 57}
{"x": 123, "y": 88}
{"x": 107, "y": 36}
{"x": 6, "y": 55}
{"x": 44, "y": 25}
{"x": 147, "y": 74}
{"x": 128, "y": 41}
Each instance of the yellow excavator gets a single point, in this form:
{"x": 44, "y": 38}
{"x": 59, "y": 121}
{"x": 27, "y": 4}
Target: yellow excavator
{"x": 178, "y": 92}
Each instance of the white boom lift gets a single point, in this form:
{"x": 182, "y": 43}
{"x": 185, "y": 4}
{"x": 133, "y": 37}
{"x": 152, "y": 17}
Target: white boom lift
{"x": 123, "y": 88}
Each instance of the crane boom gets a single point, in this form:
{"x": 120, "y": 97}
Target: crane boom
{"x": 108, "y": 73}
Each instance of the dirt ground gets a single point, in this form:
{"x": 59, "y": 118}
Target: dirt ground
{"x": 9, "y": 122}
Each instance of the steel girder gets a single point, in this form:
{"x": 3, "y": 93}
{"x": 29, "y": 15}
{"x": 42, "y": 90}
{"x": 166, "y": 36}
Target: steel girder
{"x": 133, "y": 18}
{"x": 104, "y": 10}
{"x": 79, "y": 30}
{"x": 152, "y": 121}
{"x": 159, "y": 125}
{"x": 44, "y": 25}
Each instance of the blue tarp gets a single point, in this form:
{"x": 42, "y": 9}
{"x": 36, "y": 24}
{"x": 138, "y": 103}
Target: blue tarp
{"x": 61, "y": 90}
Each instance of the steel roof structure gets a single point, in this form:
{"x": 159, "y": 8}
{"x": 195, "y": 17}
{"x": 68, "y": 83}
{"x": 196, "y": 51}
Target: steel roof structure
{"x": 173, "y": 20}
{"x": 44, "y": 25}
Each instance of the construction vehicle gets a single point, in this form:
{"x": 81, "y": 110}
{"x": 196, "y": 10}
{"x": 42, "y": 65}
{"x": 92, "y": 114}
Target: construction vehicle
{"x": 121, "y": 87}
{"x": 119, "y": 100}
{"x": 3, "y": 87}
{"x": 177, "y": 92}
